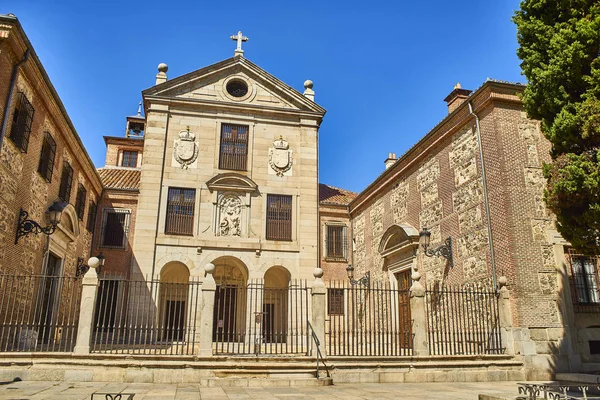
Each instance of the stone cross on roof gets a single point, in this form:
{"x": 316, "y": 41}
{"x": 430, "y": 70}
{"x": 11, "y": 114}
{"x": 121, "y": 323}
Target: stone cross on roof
{"x": 239, "y": 38}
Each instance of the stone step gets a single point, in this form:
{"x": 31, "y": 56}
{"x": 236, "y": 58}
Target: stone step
{"x": 271, "y": 381}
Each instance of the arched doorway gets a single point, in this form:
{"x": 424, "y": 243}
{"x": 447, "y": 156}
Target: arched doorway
{"x": 173, "y": 297}
{"x": 275, "y": 305}
{"x": 229, "y": 316}
{"x": 398, "y": 247}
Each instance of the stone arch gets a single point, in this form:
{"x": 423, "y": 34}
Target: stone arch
{"x": 173, "y": 301}
{"x": 68, "y": 229}
{"x": 230, "y": 270}
{"x": 277, "y": 277}
{"x": 176, "y": 257}
{"x": 398, "y": 248}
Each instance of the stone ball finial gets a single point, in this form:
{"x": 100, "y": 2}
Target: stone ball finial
{"x": 318, "y": 273}
{"x": 162, "y": 67}
{"x": 209, "y": 268}
{"x": 308, "y": 84}
{"x": 457, "y": 86}
{"x": 93, "y": 262}
{"x": 502, "y": 281}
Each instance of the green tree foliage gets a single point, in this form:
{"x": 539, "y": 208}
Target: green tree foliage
{"x": 560, "y": 52}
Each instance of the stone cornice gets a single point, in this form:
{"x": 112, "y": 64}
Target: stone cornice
{"x": 35, "y": 72}
{"x": 234, "y": 107}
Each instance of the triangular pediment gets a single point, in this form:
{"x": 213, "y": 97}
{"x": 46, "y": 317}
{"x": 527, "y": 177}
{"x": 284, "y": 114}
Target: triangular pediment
{"x": 210, "y": 85}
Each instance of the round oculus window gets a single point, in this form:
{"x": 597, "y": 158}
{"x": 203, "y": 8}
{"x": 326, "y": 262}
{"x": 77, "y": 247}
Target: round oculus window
{"x": 237, "y": 88}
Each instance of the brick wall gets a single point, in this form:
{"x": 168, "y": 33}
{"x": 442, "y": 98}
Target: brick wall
{"x": 334, "y": 269}
{"x": 23, "y": 187}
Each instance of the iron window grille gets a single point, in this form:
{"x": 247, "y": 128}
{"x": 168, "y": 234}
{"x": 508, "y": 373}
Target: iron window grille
{"x": 129, "y": 159}
{"x": 66, "y": 181}
{"x": 584, "y": 270}
{"x": 279, "y": 217}
{"x": 180, "y": 211}
{"x": 337, "y": 242}
{"x": 234, "y": 147}
{"x": 80, "y": 203}
{"x": 21, "y": 122}
{"x": 91, "y": 221}
{"x": 47, "y": 155}
{"x": 335, "y": 301}
{"x": 115, "y": 228}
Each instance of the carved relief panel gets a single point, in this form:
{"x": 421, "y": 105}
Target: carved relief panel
{"x": 229, "y": 215}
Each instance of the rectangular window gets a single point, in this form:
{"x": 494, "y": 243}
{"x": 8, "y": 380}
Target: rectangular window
{"x": 80, "y": 202}
{"x": 234, "y": 147}
{"x": 279, "y": 217}
{"x": 21, "y": 122}
{"x": 114, "y": 228}
{"x": 129, "y": 159}
{"x": 66, "y": 180}
{"x": 46, "y": 164}
{"x": 585, "y": 276}
{"x": 180, "y": 211}
{"x": 337, "y": 242}
{"x": 335, "y": 301}
{"x": 91, "y": 221}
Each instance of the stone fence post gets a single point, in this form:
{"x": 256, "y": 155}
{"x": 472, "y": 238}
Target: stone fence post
{"x": 317, "y": 318}
{"x": 86, "y": 312}
{"x": 418, "y": 314}
{"x": 209, "y": 288}
{"x": 505, "y": 317}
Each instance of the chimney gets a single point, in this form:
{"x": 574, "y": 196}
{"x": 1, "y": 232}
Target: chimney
{"x": 309, "y": 93}
{"x": 390, "y": 160}
{"x": 162, "y": 73}
{"x": 457, "y": 97}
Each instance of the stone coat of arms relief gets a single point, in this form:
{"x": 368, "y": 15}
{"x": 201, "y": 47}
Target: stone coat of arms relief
{"x": 280, "y": 157}
{"x": 185, "y": 150}
{"x": 230, "y": 213}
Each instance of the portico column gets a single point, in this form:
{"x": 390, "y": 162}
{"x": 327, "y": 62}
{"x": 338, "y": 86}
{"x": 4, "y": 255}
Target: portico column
{"x": 86, "y": 312}
{"x": 206, "y": 314}
{"x": 318, "y": 311}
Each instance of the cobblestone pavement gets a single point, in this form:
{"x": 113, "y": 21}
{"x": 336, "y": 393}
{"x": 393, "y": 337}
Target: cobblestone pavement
{"x": 149, "y": 391}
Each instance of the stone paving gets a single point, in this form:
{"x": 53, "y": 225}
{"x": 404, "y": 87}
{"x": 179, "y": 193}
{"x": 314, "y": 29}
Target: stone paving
{"x": 148, "y": 391}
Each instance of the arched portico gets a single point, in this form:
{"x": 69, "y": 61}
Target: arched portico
{"x": 275, "y": 305}
{"x": 229, "y": 317}
{"x": 173, "y": 300}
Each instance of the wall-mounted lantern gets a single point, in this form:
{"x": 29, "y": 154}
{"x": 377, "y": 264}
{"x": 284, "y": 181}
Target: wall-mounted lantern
{"x": 444, "y": 250}
{"x": 25, "y": 226}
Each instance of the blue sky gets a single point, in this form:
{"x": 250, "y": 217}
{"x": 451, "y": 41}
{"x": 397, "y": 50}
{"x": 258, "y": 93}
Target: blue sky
{"x": 380, "y": 68}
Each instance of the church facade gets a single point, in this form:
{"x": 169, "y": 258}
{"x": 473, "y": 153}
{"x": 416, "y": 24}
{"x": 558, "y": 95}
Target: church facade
{"x": 215, "y": 185}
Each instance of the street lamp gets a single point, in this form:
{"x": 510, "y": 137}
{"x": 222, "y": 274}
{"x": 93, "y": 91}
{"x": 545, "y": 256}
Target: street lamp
{"x": 444, "y": 250}
{"x": 25, "y": 226}
{"x": 365, "y": 280}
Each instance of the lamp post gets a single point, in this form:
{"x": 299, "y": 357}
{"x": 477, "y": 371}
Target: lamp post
{"x": 444, "y": 250}
{"x": 25, "y": 225}
{"x": 365, "y": 280}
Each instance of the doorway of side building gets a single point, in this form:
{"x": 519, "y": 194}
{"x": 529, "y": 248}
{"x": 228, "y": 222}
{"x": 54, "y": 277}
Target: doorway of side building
{"x": 50, "y": 293}
{"x": 404, "y": 320}
{"x": 229, "y": 315}
{"x": 174, "y": 287}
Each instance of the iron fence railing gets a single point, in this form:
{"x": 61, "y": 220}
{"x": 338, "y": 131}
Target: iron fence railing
{"x": 369, "y": 320}
{"x": 258, "y": 319}
{"x": 462, "y": 320}
{"x": 39, "y": 312}
{"x": 146, "y": 317}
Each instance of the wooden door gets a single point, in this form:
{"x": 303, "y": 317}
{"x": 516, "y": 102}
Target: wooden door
{"x": 404, "y": 318}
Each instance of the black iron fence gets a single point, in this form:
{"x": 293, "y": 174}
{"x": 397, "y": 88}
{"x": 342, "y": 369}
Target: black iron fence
{"x": 369, "y": 320}
{"x": 253, "y": 318}
{"x": 39, "y": 312}
{"x": 146, "y": 317}
{"x": 462, "y": 320}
